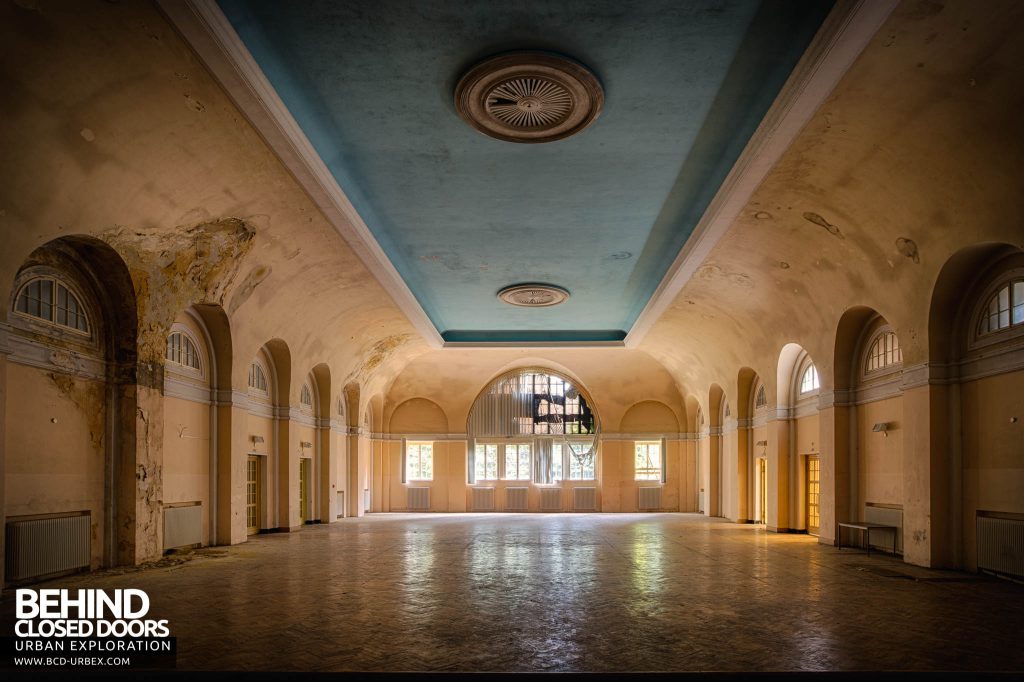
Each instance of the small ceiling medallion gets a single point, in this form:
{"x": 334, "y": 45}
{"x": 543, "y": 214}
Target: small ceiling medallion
{"x": 529, "y": 97}
{"x": 533, "y": 295}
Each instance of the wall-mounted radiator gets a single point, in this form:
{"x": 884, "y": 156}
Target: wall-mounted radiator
{"x": 418, "y": 499}
{"x": 39, "y": 547}
{"x": 551, "y": 499}
{"x": 516, "y": 499}
{"x": 341, "y": 504}
{"x": 1001, "y": 545}
{"x": 183, "y": 526}
{"x": 649, "y": 498}
{"x": 483, "y": 499}
{"x": 584, "y": 499}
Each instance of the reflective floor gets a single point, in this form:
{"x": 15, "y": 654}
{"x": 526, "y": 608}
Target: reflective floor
{"x": 625, "y": 592}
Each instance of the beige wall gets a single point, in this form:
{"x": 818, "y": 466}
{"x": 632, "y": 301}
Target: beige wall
{"x": 879, "y": 456}
{"x": 54, "y": 438}
{"x": 187, "y": 455}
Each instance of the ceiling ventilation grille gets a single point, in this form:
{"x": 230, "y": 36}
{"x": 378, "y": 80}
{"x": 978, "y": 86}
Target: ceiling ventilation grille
{"x": 529, "y": 97}
{"x": 533, "y": 295}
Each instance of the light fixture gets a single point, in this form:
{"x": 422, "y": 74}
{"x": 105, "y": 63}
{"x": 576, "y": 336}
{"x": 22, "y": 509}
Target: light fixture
{"x": 533, "y": 295}
{"x": 881, "y": 427}
{"x": 256, "y": 439}
{"x": 305, "y": 444}
{"x": 761, "y": 443}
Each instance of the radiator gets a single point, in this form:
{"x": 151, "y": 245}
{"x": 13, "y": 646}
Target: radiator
{"x": 584, "y": 499}
{"x": 1001, "y": 545}
{"x": 366, "y": 499}
{"x": 649, "y": 498}
{"x": 341, "y": 504}
{"x": 417, "y": 499}
{"x": 483, "y": 499}
{"x": 183, "y": 526}
{"x": 43, "y": 546}
{"x": 516, "y": 499}
{"x": 551, "y": 499}
{"x": 889, "y": 517}
{"x": 700, "y": 502}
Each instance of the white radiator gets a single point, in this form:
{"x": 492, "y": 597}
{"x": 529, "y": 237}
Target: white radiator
{"x": 700, "y": 502}
{"x": 551, "y": 499}
{"x": 584, "y": 499}
{"x": 39, "y": 547}
{"x": 366, "y": 499}
{"x": 516, "y": 499}
{"x": 1001, "y": 545}
{"x": 483, "y": 499}
{"x": 888, "y": 517}
{"x": 649, "y": 498}
{"x": 183, "y": 526}
{"x": 341, "y": 504}
{"x": 417, "y": 499}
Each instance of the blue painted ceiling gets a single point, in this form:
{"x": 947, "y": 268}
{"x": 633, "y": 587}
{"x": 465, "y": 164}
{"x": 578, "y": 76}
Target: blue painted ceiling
{"x": 602, "y": 214}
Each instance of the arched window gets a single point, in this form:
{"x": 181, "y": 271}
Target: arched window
{"x": 1004, "y": 309}
{"x": 307, "y": 396}
{"x": 761, "y": 398}
{"x": 257, "y": 378}
{"x": 809, "y": 381}
{"x": 51, "y": 300}
{"x": 531, "y": 424}
{"x": 883, "y": 352}
{"x": 182, "y": 351}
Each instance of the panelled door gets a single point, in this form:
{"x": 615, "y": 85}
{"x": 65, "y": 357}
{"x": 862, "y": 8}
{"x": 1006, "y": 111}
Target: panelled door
{"x": 252, "y": 495}
{"x": 762, "y": 488}
{"x": 304, "y": 466}
{"x": 813, "y": 494}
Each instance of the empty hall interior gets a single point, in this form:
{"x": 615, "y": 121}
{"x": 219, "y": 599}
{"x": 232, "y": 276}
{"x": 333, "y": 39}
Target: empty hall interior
{"x": 548, "y": 335}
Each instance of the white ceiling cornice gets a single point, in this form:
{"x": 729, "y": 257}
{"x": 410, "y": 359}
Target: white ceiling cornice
{"x": 847, "y": 30}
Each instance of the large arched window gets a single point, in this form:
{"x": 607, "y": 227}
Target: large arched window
{"x": 258, "y": 379}
{"x": 760, "y": 398}
{"x": 52, "y": 300}
{"x": 532, "y": 424}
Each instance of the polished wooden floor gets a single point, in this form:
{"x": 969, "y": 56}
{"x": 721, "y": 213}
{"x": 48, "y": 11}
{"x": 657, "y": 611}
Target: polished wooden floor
{"x": 629, "y": 592}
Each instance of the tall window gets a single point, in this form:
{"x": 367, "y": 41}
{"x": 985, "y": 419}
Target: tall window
{"x": 486, "y": 463}
{"x": 809, "y": 381}
{"x": 49, "y": 299}
{"x": 517, "y": 462}
{"x": 884, "y": 352}
{"x": 648, "y": 461}
{"x": 1005, "y": 308}
{"x": 419, "y": 461}
{"x": 557, "y": 464}
{"x": 181, "y": 351}
{"x": 257, "y": 378}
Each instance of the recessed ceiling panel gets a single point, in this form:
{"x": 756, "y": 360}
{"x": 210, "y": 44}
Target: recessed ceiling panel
{"x": 461, "y": 215}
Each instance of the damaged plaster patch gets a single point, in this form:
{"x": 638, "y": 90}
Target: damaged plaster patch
{"x": 711, "y": 271}
{"x": 248, "y": 286}
{"x": 88, "y": 398}
{"x": 378, "y": 353}
{"x": 908, "y": 247}
{"x": 821, "y": 222}
{"x": 173, "y": 268}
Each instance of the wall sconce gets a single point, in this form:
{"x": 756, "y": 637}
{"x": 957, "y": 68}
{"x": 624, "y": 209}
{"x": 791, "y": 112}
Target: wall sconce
{"x": 881, "y": 427}
{"x": 761, "y": 443}
{"x": 256, "y": 439}
{"x": 305, "y": 445}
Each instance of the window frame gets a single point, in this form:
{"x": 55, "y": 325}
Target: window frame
{"x": 503, "y": 461}
{"x": 657, "y": 473}
{"x": 50, "y": 326}
{"x": 876, "y": 337}
{"x": 975, "y": 338}
{"x": 805, "y": 369}
{"x": 407, "y": 460}
{"x": 178, "y": 368}
{"x": 255, "y": 390}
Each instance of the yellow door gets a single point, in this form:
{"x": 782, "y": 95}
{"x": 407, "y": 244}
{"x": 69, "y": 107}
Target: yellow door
{"x": 252, "y": 495}
{"x": 813, "y": 494}
{"x": 303, "y": 492}
{"x": 762, "y": 483}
